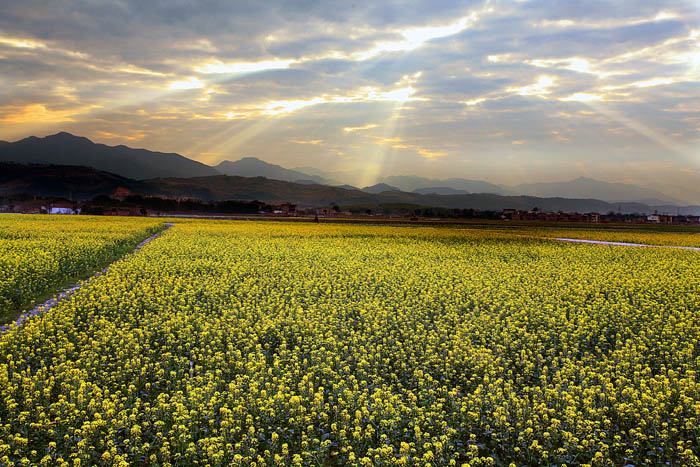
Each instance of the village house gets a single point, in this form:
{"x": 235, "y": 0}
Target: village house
{"x": 63, "y": 207}
{"x": 124, "y": 211}
{"x": 121, "y": 193}
{"x": 659, "y": 219}
{"x": 289, "y": 209}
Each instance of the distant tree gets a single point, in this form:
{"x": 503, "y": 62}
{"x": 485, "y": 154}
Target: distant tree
{"x": 103, "y": 200}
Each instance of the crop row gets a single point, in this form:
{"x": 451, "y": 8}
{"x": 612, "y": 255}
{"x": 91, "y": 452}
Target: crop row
{"x": 38, "y": 254}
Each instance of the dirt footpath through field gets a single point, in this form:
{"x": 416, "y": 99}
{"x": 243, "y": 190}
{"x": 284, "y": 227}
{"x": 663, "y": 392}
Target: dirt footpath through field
{"x": 51, "y": 303}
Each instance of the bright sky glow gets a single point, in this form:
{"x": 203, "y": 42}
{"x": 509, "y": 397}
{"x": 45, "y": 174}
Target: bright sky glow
{"x": 350, "y": 129}
{"x": 190, "y": 83}
{"x": 20, "y": 43}
{"x": 581, "y": 97}
{"x": 540, "y": 88}
{"x": 244, "y": 67}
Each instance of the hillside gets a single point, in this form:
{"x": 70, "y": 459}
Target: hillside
{"x": 379, "y": 188}
{"x": 440, "y": 190}
{"x": 583, "y": 187}
{"x": 254, "y": 167}
{"x": 412, "y": 183}
{"x": 84, "y": 182}
{"x": 73, "y": 182}
{"x": 262, "y": 189}
{"x": 253, "y": 188}
{"x": 141, "y": 164}
{"x": 66, "y": 149}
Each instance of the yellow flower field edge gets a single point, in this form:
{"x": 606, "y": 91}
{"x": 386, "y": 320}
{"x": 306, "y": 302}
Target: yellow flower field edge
{"x": 646, "y": 238}
{"x": 40, "y": 254}
{"x": 278, "y": 344}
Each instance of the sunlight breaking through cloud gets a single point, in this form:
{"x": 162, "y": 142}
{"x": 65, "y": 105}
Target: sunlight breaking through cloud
{"x": 351, "y": 129}
{"x": 454, "y": 82}
{"x": 189, "y": 83}
{"x": 540, "y": 88}
{"x": 40, "y": 114}
{"x": 413, "y": 38}
{"x": 578, "y": 64}
{"x": 366, "y": 94}
{"x": 581, "y": 97}
{"x": 244, "y": 67}
{"x": 21, "y": 43}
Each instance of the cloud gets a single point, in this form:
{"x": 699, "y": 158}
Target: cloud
{"x": 351, "y": 129}
{"x": 189, "y": 83}
{"x": 244, "y": 67}
{"x": 21, "y": 43}
{"x": 581, "y": 97}
{"x": 540, "y": 88}
{"x": 39, "y": 113}
{"x": 457, "y": 82}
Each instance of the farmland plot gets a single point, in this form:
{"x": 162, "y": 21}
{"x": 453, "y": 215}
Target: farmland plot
{"x": 38, "y": 254}
{"x": 277, "y": 344}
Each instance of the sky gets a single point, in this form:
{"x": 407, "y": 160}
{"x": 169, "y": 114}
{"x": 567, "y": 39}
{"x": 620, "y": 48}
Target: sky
{"x": 505, "y": 91}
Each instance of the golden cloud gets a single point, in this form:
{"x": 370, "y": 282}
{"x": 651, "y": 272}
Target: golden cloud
{"x": 40, "y": 114}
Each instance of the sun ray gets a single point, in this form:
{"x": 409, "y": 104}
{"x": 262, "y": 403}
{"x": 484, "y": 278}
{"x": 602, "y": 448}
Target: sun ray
{"x": 378, "y": 157}
{"x": 640, "y": 128}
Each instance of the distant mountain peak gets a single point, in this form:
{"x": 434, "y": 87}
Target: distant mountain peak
{"x": 64, "y": 148}
{"x": 413, "y": 182}
{"x": 253, "y": 167}
{"x": 65, "y": 137}
{"x": 63, "y": 134}
{"x": 380, "y": 188}
{"x": 586, "y": 187}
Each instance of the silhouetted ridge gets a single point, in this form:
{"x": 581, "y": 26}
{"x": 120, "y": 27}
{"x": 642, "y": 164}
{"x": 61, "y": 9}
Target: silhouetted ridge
{"x": 66, "y": 149}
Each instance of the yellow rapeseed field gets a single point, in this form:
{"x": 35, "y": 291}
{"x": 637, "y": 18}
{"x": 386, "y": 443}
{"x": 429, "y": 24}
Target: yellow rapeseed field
{"x": 40, "y": 253}
{"x": 662, "y": 238}
{"x": 243, "y": 343}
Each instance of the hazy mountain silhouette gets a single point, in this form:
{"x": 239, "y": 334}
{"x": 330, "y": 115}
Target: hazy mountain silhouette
{"x": 254, "y": 167}
{"x": 412, "y": 183}
{"x": 66, "y": 149}
{"x": 440, "y": 190}
{"x": 64, "y": 181}
{"x": 85, "y": 182}
{"x": 583, "y": 187}
{"x": 264, "y": 189}
{"x": 379, "y": 188}
{"x": 334, "y": 178}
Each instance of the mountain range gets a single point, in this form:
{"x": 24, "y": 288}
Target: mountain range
{"x": 66, "y": 149}
{"x": 411, "y": 183}
{"x": 82, "y": 183}
{"x": 583, "y": 187}
{"x": 141, "y": 164}
{"x": 254, "y": 167}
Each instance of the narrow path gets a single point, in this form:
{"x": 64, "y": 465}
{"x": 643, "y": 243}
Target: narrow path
{"x": 601, "y": 242}
{"x": 49, "y": 304}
